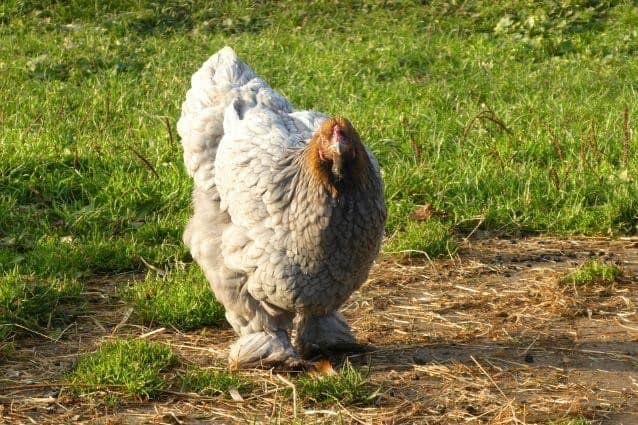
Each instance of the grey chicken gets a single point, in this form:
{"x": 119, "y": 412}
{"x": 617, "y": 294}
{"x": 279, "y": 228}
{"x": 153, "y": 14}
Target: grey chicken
{"x": 288, "y": 212}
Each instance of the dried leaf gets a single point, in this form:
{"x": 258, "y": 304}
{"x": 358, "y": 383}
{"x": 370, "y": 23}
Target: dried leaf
{"x": 426, "y": 212}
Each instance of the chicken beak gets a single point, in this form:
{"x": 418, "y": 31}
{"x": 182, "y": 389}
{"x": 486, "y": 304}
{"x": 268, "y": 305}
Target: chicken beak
{"x": 338, "y": 149}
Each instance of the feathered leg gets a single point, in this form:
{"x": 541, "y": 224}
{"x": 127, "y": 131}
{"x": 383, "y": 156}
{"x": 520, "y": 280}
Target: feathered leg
{"x": 325, "y": 334}
{"x": 263, "y": 328}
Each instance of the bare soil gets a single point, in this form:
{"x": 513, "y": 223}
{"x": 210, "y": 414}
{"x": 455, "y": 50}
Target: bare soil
{"x": 489, "y": 336}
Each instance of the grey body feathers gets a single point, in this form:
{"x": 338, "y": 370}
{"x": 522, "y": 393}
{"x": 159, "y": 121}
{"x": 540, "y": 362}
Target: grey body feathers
{"x": 271, "y": 241}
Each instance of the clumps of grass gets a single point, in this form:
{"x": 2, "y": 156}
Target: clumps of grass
{"x": 211, "y": 383}
{"x": 181, "y": 299}
{"x": 347, "y": 386}
{"x": 592, "y": 272}
{"x": 133, "y": 367}
{"x": 430, "y": 238}
{"x": 29, "y": 303}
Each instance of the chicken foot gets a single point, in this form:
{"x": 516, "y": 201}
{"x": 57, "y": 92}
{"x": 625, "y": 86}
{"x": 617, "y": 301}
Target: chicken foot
{"x": 261, "y": 349}
{"x": 324, "y": 335}
{"x": 264, "y": 339}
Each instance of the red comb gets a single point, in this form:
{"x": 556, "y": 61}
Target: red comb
{"x": 337, "y": 132}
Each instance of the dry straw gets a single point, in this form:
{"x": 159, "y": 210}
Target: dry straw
{"x": 489, "y": 336}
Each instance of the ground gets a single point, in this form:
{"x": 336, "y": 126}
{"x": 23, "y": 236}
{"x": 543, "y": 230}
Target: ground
{"x": 489, "y": 335}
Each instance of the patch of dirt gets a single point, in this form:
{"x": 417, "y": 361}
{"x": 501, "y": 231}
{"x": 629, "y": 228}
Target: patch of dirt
{"x": 488, "y": 336}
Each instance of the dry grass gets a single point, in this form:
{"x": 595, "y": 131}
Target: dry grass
{"x": 488, "y": 336}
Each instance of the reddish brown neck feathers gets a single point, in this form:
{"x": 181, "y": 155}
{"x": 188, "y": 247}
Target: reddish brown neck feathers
{"x": 355, "y": 168}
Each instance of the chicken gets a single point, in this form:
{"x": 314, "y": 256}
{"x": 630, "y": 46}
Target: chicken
{"x": 288, "y": 212}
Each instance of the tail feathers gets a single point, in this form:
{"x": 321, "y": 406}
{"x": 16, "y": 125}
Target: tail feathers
{"x": 213, "y": 87}
{"x": 222, "y": 68}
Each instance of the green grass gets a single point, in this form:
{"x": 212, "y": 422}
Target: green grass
{"x": 29, "y": 303}
{"x": 431, "y": 238}
{"x": 181, "y": 299}
{"x": 131, "y": 367}
{"x": 211, "y": 383}
{"x": 88, "y": 88}
{"x": 592, "y": 272}
{"x": 347, "y": 386}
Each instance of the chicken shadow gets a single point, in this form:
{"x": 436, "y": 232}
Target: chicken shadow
{"x": 620, "y": 356}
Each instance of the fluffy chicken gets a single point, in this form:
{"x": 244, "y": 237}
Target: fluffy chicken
{"x": 288, "y": 212}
